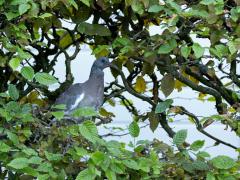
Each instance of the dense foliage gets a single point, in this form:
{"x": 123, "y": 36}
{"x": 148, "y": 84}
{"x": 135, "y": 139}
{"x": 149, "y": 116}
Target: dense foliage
{"x": 34, "y": 33}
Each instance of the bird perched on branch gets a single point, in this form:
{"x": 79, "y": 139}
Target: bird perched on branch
{"x": 87, "y": 94}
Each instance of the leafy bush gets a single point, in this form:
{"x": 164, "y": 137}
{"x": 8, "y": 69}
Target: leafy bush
{"x": 33, "y": 149}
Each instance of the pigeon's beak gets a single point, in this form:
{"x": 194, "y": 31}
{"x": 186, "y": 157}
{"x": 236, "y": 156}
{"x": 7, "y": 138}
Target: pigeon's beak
{"x": 113, "y": 66}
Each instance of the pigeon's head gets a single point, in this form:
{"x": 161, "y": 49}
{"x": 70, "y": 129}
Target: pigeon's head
{"x": 101, "y": 63}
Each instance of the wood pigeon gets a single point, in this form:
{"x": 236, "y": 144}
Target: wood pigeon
{"x": 87, "y": 94}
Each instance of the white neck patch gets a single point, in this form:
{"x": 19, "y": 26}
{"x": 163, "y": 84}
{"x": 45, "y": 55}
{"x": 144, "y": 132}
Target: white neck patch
{"x": 78, "y": 100}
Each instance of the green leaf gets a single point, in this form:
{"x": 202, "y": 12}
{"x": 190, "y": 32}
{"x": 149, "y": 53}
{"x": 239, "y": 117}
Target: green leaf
{"x": 35, "y": 160}
{"x": 45, "y": 15}
{"x": 155, "y": 8}
{"x": 14, "y": 63}
{"x": 59, "y": 106}
{"x": 53, "y": 156}
{"x": 43, "y": 177}
{"x": 86, "y": 174}
{"x": 207, "y": 2}
{"x": 196, "y": 145}
{"x": 13, "y": 137}
{"x": 11, "y": 15}
{"x": 23, "y": 54}
{"x": 29, "y": 151}
{"x": 19, "y": 163}
{"x": 180, "y": 137}
{"x": 196, "y": 13}
{"x": 174, "y": 5}
{"x": 13, "y": 92}
{"x": 134, "y": 129}
{"x": 131, "y": 164}
{"x": 185, "y": 51}
{"x": 137, "y": 7}
{"x": 98, "y": 157}
{"x": 58, "y": 114}
{"x": 30, "y": 171}
{"x": 86, "y": 2}
{"x": 203, "y": 154}
{"x": 4, "y": 95}
{"x": 73, "y": 3}
{"x": 220, "y": 50}
{"x": 111, "y": 175}
{"x": 223, "y": 162}
{"x": 118, "y": 168}
{"x": 23, "y": 8}
{"x": 45, "y": 167}
{"x": 198, "y": 50}
{"x": 144, "y": 164}
{"x": 27, "y": 72}
{"x": 231, "y": 47}
{"x": 89, "y": 131}
{"x": 80, "y": 151}
{"x": 234, "y": 14}
{"x": 84, "y": 112}
{"x": 18, "y": 2}
{"x": 162, "y": 106}
{"x": 122, "y": 42}
{"x": 93, "y": 29}
{"x": 4, "y": 147}
{"x": 200, "y": 165}
{"x": 167, "y": 84}
{"x": 167, "y": 47}
{"x": 45, "y": 79}
{"x": 210, "y": 176}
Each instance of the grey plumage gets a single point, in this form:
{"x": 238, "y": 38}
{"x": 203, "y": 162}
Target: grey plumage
{"x": 87, "y": 94}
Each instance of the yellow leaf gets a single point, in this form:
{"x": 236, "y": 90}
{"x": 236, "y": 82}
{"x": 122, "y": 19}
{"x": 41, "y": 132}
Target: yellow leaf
{"x": 179, "y": 85}
{"x": 33, "y": 95}
{"x": 101, "y": 50}
{"x": 105, "y": 113}
{"x": 33, "y": 98}
{"x": 231, "y": 110}
{"x": 201, "y": 96}
{"x": 140, "y": 85}
{"x": 65, "y": 40}
{"x": 112, "y": 102}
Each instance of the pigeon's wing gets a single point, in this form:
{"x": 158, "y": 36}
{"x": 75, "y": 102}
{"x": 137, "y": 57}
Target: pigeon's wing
{"x": 71, "y": 97}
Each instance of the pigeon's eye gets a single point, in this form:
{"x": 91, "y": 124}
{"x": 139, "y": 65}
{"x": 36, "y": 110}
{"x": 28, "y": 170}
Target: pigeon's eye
{"x": 103, "y": 60}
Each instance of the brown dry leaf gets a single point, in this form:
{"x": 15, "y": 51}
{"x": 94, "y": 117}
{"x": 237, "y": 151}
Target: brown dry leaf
{"x": 153, "y": 119}
{"x": 175, "y": 109}
{"x": 207, "y": 123}
{"x": 167, "y": 84}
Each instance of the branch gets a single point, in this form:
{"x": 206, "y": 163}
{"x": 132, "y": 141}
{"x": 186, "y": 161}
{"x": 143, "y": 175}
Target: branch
{"x": 200, "y": 128}
{"x": 199, "y": 88}
{"x": 162, "y": 116}
{"x": 233, "y": 73}
{"x": 130, "y": 89}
